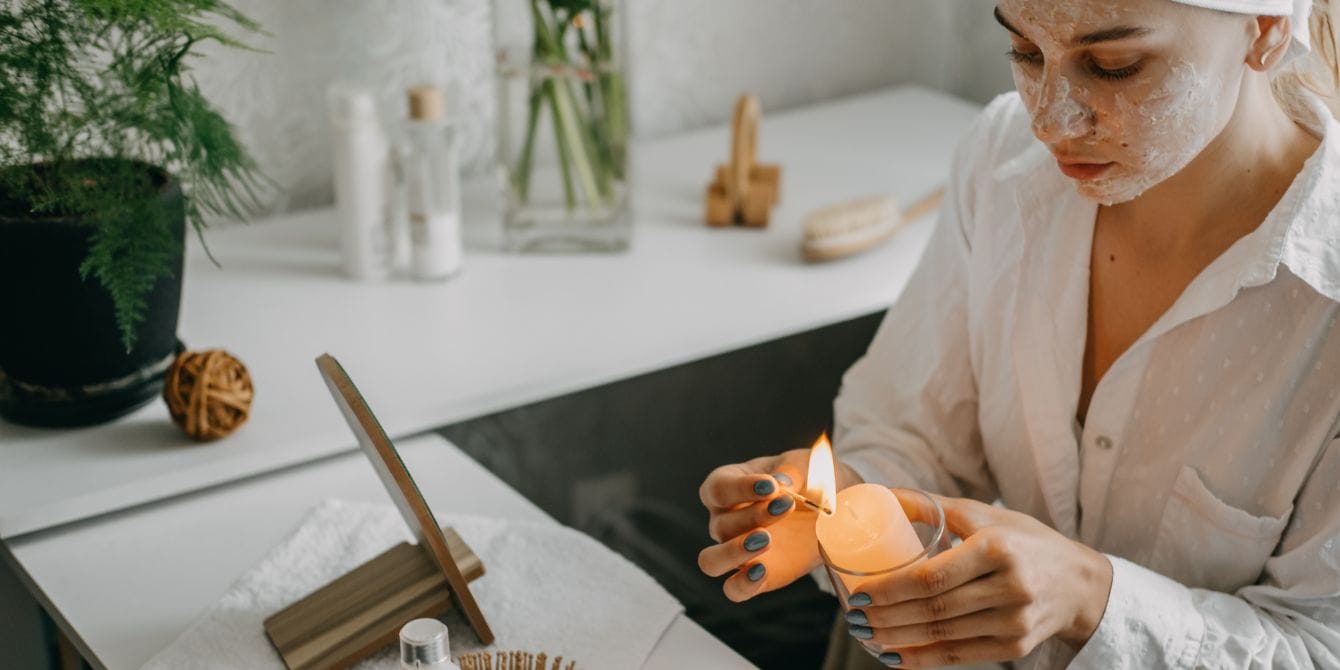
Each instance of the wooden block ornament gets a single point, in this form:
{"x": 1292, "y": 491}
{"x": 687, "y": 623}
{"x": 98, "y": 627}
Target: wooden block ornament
{"x": 743, "y": 192}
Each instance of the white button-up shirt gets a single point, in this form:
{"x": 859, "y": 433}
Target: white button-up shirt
{"x": 1208, "y": 464}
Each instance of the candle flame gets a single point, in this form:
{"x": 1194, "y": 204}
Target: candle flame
{"x": 821, "y": 482}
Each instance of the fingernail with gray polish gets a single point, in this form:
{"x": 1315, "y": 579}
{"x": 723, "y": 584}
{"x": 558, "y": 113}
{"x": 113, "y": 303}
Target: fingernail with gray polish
{"x": 779, "y": 506}
{"x": 857, "y": 617}
{"x": 784, "y": 479}
{"x": 891, "y": 658}
{"x": 756, "y": 541}
{"x": 859, "y": 600}
{"x": 755, "y": 572}
{"x": 764, "y": 487}
{"x": 861, "y": 632}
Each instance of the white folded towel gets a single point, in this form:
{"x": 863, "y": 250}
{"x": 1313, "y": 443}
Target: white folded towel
{"x": 546, "y": 588}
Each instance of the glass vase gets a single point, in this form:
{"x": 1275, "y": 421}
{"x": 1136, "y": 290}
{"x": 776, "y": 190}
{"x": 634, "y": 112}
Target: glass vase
{"x": 563, "y": 125}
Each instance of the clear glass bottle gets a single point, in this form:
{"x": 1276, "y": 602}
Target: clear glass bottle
{"x": 430, "y": 169}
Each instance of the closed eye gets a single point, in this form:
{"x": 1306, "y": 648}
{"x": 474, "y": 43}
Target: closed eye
{"x": 1113, "y": 74}
{"x": 1025, "y": 57}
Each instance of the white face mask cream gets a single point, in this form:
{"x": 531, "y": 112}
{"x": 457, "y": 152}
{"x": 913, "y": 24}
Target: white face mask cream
{"x": 1122, "y": 105}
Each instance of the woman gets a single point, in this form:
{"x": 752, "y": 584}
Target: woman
{"x": 1123, "y": 330}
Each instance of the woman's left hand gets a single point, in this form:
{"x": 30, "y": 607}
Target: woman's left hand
{"x": 1012, "y": 583}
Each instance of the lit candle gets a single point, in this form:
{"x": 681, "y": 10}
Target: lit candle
{"x": 868, "y": 531}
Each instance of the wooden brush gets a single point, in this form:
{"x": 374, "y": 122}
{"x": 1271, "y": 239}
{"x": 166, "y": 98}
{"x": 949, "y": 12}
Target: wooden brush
{"x": 848, "y": 228}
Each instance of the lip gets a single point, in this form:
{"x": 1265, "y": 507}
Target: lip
{"x": 1082, "y": 170}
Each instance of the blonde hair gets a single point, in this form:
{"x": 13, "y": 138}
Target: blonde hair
{"x": 1319, "y": 73}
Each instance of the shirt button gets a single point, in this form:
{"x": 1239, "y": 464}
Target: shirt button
{"x": 1103, "y": 442}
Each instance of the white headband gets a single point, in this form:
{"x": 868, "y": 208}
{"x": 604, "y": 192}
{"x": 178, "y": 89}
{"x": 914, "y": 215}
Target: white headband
{"x": 1299, "y": 11}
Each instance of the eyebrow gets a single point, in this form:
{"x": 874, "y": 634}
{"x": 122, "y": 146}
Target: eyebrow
{"x": 1106, "y": 35}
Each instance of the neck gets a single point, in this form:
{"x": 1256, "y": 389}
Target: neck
{"x": 1232, "y": 184}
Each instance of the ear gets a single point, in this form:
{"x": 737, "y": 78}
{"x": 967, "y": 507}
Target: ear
{"x": 1270, "y": 42}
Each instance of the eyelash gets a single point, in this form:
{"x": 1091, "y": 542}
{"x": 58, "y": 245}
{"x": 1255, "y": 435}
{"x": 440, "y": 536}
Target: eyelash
{"x": 1020, "y": 57}
{"x": 1113, "y": 75}
{"x": 1110, "y": 75}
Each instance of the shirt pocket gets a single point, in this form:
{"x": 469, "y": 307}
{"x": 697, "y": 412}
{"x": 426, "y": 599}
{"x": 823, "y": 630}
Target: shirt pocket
{"x": 1204, "y": 542}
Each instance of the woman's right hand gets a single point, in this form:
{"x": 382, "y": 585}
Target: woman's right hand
{"x": 761, "y": 534}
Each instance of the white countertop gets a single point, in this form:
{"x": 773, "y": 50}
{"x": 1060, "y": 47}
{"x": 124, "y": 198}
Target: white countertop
{"x": 512, "y": 329}
{"x": 125, "y": 586}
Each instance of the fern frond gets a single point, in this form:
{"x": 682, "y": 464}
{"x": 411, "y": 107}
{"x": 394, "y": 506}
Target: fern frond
{"x": 89, "y": 87}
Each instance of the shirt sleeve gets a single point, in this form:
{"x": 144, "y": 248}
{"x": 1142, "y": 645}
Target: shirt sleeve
{"x": 906, "y": 412}
{"x": 1289, "y": 619}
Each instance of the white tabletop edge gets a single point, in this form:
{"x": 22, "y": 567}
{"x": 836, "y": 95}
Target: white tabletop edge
{"x": 155, "y": 489}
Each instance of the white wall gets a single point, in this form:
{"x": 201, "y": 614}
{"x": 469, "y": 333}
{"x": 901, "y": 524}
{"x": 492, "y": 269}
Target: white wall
{"x": 689, "y": 59}
{"x": 694, "y": 56}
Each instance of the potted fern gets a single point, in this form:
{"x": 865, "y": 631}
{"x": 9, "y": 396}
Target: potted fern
{"x": 108, "y": 150}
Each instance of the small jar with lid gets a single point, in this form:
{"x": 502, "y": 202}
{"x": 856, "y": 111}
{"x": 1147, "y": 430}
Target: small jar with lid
{"x": 425, "y": 645}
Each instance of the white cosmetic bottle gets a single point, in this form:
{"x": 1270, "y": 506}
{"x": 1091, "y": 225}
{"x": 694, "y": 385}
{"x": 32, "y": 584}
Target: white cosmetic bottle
{"x": 362, "y": 180}
{"x": 431, "y": 170}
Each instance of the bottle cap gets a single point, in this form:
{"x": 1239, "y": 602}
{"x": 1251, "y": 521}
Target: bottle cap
{"x": 425, "y": 103}
{"x": 424, "y": 643}
{"x": 349, "y": 105}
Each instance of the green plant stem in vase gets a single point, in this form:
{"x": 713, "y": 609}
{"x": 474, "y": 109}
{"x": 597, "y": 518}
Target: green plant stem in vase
{"x": 574, "y": 89}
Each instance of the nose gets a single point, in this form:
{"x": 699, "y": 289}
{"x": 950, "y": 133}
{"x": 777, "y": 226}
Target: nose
{"x": 1060, "y": 113}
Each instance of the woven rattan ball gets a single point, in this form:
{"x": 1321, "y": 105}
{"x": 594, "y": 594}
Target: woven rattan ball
{"x": 208, "y": 393}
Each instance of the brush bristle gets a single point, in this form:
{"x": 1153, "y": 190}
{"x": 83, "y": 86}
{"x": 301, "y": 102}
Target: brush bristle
{"x": 512, "y": 660}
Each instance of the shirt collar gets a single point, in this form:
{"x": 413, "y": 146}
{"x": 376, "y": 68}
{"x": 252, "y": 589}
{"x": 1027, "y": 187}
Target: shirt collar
{"x": 1307, "y": 218}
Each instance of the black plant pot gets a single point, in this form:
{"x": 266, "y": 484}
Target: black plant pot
{"x": 62, "y": 361}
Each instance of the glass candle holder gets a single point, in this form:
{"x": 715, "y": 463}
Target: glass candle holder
{"x": 927, "y": 519}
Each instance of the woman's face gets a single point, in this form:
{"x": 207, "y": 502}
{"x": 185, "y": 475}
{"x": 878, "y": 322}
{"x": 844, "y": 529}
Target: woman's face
{"x": 1125, "y": 94}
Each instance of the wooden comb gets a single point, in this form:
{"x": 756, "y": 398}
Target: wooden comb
{"x": 512, "y": 660}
